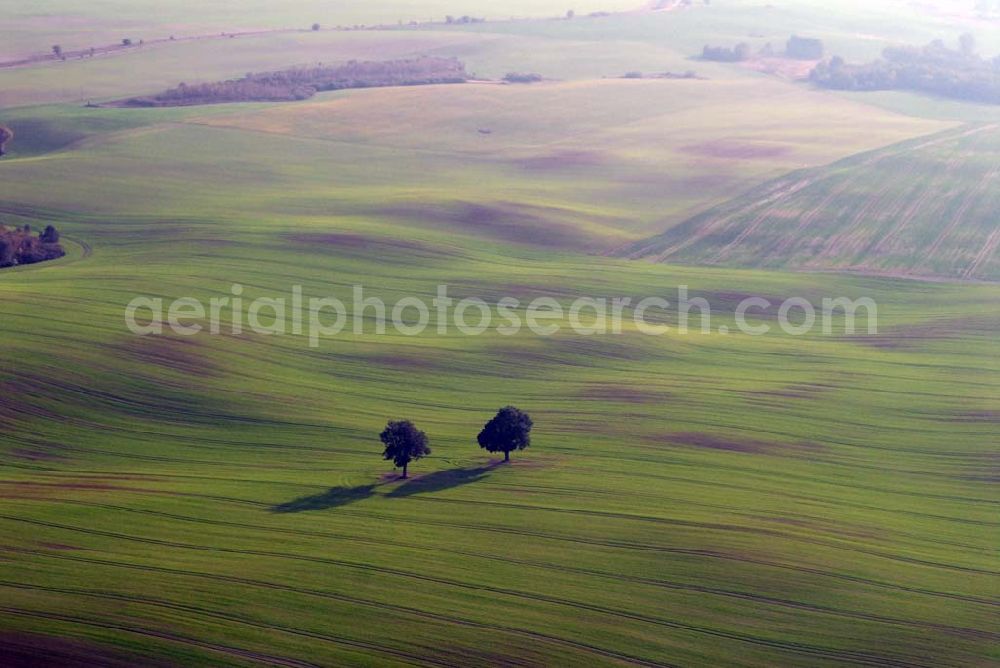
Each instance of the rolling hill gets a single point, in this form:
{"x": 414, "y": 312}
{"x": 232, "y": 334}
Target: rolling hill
{"x": 926, "y": 207}
{"x": 688, "y": 499}
{"x": 703, "y": 499}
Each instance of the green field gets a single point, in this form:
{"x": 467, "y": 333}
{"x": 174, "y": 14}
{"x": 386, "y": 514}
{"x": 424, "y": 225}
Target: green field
{"x": 927, "y": 207}
{"x": 699, "y": 499}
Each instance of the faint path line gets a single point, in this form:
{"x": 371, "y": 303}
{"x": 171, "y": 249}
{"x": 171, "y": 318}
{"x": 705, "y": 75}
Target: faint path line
{"x": 970, "y": 199}
{"x": 988, "y": 248}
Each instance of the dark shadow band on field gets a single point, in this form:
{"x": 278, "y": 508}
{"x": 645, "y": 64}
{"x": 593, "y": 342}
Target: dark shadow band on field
{"x": 439, "y": 481}
{"x": 332, "y": 498}
{"x": 342, "y": 496}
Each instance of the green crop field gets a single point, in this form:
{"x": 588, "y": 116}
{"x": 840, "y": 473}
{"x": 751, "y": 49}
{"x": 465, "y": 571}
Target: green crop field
{"x": 707, "y": 498}
{"x": 927, "y": 207}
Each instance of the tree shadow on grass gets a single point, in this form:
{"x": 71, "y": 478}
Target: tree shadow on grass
{"x": 332, "y": 498}
{"x": 441, "y": 480}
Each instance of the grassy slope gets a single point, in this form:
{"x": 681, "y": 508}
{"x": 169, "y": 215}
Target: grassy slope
{"x": 927, "y": 207}
{"x": 173, "y": 497}
{"x": 605, "y": 162}
{"x": 840, "y": 512}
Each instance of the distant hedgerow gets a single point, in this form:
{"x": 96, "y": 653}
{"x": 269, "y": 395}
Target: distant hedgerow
{"x": 304, "y": 82}
{"x": 520, "y": 77}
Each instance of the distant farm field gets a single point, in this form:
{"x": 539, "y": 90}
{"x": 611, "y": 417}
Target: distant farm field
{"x": 32, "y": 27}
{"x": 926, "y": 207}
{"x": 631, "y": 156}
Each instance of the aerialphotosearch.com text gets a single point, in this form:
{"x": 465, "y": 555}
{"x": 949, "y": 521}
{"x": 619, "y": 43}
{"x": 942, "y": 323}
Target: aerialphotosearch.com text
{"x": 363, "y": 313}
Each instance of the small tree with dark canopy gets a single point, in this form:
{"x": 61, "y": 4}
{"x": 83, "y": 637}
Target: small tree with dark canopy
{"x": 50, "y": 235}
{"x": 509, "y": 430}
{"x": 404, "y": 443}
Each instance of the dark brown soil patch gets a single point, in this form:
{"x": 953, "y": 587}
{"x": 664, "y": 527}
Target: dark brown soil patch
{"x": 712, "y": 442}
{"x": 37, "y": 455}
{"x": 184, "y": 355}
{"x": 986, "y": 478}
{"x": 735, "y": 150}
{"x": 737, "y": 444}
{"x": 623, "y": 394}
{"x": 506, "y": 222}
{"x": 59, "y": 547}
{"x": 19, "y": 400}
{"x": 946, "y": 329}
{"x": 989, "y": 417}
{"x": 31, "y": 650}
{"x": 40, "y": 490}
{"x": 563, "y": 160}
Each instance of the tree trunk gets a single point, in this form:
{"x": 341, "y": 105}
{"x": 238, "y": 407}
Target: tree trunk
{"x": 404, "y": 471}
{"x": 506, "y": 455}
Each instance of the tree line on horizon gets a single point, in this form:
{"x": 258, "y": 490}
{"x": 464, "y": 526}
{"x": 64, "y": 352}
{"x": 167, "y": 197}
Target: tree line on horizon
{"x": 798, "y": 48}
{"x": 935, "y": 68}
{"x": 507, "y": 431}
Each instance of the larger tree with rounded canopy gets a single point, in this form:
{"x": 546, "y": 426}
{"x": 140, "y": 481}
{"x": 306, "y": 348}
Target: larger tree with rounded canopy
{"x": 509, "y": 430}
{"x": 404, "y": 443}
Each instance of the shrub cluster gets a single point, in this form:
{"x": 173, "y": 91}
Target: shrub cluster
{"x": 19, "y": 246}
{"x": 463, "y": 20}
{"x": 799, "y": 48}
{"x": 522, "y": 77}
{"x": 722, "y": 54}
{"x": 303, "y": 82}
{"x": 935, "y": 69}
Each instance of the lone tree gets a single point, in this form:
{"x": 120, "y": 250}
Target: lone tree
{"x": 57, "y": 51}
{"x": 509, "y": 430}
{"x": 404, "y": 443}
{"x": 316, "y": 27}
